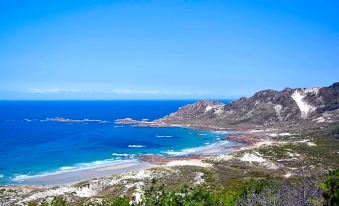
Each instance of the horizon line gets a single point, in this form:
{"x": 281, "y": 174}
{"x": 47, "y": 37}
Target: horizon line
{"x": 221, "y": 99}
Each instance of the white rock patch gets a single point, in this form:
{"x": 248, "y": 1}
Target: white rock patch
{"x": 191, "y": 162}
{"x": 249, "y": 157}
{"x": 217, "y": 109}
{"x": 277, "y": 109}
{"x": 256, "y": 157}
{"x": 307, "y": 142}
{"x": 281, "y": 134}
{"x": 312, "y": 90}
{"x": 319, "y": 119}
{"x": 208, "y": 108}
{"x": 138, "y": 193}
{"x": 286, "y": 134}
{"x": 93, "y": 187}
{"x": 220, "y": 158}
{"x": 199, "y": 178}
{"x": 311, "y": 144}
{"x": 293, "y": 154}
{"x": 86, "y": 192}
{"x": 304, "y": 108}
{"x": 287, "y": 175}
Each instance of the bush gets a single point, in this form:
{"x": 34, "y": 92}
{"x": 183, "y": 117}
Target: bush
{"x": 59, "y": 201}
{"x": 335, "y": 132}
{"x": 32, "y": 203}
{"x": 304, "y": 191}
{"x": 330, "y": 188}
{"x": 120, "y": 201}
{"x": 188, "y": 196}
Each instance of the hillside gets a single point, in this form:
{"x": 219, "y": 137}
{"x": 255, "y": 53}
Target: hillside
{"x": 311, "y": 106}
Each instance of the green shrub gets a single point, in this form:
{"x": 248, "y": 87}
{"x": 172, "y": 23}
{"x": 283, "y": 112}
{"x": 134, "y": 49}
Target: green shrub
{"x": 59, "y": 201}
{"x": 120, "y": 201}
{"x": 257, "y": 186}
{"x": 32, "y": 203}
{"x": 189, "y": 196}
{"x": 330, "y": 188}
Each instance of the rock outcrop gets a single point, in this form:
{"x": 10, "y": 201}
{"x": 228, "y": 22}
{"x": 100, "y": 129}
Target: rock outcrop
{"x": 267, "y": 107}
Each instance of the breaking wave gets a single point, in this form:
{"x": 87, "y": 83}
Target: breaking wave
{"x": 136, "y": 146}
{"x": 197, "y": 150}
{"x": 164, "y": 136}
{"x": 74, "y": 168}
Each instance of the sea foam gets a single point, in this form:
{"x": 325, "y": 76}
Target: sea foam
{"x": 75, "y": 168}
{"x": 164, "y": 136}
{"x": 136, "y": 146}
{"x": 195, "y": 150}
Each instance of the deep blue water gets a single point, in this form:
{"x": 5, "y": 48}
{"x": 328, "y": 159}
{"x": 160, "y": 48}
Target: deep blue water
{"x": 29, "y": 145}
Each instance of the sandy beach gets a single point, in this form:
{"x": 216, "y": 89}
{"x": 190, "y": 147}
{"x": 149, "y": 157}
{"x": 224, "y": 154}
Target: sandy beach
{"x": 71, "y": 177}
{"x": 193, "y": 156}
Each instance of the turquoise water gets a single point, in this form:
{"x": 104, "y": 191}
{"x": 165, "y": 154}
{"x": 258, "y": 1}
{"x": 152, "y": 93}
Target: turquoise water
{"x": 32, "y": 146}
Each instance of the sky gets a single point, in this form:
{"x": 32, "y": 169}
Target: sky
{"x": 105, "y": 49}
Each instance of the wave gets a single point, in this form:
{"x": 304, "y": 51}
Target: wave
{"x": 120, "y": 155}
{"x": 124, "y": 155}
{"x": 221, "y": 132}
{"x": 20, "y": 178}
{"x": 65, "y": 120}
{"x": 163, "y": 136}
{"x": 196, "y": 149}
{"x": 1, "y": 175}
{"x": 75, "y": 168}
{"x": 136, "y": 146}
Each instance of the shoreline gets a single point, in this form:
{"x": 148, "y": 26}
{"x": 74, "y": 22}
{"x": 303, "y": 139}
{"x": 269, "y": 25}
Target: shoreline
{"x": 144, "y": 162}
{"x": 73, "y": 177}
{"x": 150, "y": 166}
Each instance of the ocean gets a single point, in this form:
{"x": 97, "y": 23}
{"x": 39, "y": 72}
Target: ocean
{"x": 30, "y": 145}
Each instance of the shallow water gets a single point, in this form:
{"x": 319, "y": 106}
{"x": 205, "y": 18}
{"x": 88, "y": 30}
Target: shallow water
{"x": 30, "y": 146}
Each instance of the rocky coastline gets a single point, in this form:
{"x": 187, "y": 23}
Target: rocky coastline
{"x": 280, "y": 134}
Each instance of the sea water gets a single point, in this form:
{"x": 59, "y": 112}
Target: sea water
{"x": 31, "y": 145}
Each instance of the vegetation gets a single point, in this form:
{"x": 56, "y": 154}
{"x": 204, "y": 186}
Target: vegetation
{"x": 334, "y": 131}
{"x": 264, "y": 191}
{"x": 119, "y": 201}
{"x": 330, "y": 188}
{"x": 57, "y": 201}
{"x": 236, "y": 183}
{"x": 199, "y": 195}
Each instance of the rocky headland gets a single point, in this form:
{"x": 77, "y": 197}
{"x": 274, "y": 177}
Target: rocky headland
{"x": 289, "y": 135}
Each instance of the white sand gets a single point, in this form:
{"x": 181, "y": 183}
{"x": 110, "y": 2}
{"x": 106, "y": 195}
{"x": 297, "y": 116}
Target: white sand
{"x": 257, "y": 157}
{"x": 249, "y": 157}
{"x": 190, "y": 162}
{"x": 86, "y": 174}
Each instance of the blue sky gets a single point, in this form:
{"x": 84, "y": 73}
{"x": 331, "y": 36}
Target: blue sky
{"x": 84, "y": 49}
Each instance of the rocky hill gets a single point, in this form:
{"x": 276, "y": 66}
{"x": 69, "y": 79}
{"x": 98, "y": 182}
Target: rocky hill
{"x": 267, "y": 107}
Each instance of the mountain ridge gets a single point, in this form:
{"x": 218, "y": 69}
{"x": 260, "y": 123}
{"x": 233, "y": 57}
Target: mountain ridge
{"x": 266, "y": 107}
